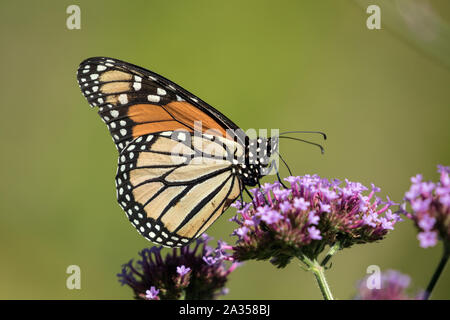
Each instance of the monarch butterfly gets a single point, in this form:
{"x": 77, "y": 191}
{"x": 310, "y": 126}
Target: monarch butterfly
{"x": 174, "y": 177}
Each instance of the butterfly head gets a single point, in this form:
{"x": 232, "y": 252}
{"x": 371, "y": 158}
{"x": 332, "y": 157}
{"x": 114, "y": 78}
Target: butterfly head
{"x": 258, "y": 160}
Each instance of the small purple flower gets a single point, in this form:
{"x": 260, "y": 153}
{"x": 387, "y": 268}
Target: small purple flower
{"x": 285, "y": 206}
{"x": 262, "y": 211}
{"x": 427, "y": 222}
{"x": 152, "y": 294}
{"x": 329, "y": 195}
{"x": 267, "y": 187}
{"x": 281, "y": 194}
{"x": 416, "y": 179}
{"x": 445, "y": 199}
{"x": 325, "y": 207}
{"x": 210, "y": 260}
{"x": 292, "y": 180}
{"x": 430, "y": 208}
{"x": 314, "y": 233}
{"x": 370, "y": 220}
{"x": 313, "y": 218}
{"x": 375, "y": 188}
{"x": 420, "y": 205}
{"x": 271, "y": 217}
{"x": 427, "y": 239}
{"x": 182, "y": 270}
{"x": 387, "y": 224}
{"x": 241, "y": 232}
{"x": 300, "y": 204}
{"x": 413, "y": 192}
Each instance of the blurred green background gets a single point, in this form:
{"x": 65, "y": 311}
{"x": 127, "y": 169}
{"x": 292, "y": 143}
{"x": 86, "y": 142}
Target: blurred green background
{"x": 382, "y": 96}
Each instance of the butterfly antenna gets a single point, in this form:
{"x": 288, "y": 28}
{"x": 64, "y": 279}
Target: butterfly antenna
{"x": 279, "y": 180}
{"x": 323, "y": 134}
{"x": 322, "y": 150}
{"x": 290, "y": 172}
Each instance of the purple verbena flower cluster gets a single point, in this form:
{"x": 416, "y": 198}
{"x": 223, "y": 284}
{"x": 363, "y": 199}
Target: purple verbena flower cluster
{"x": 430, "y": 208}
{"x": 282, "y": 223}
{"x": 191, "y": 273}
{"x": 393, "y": 285}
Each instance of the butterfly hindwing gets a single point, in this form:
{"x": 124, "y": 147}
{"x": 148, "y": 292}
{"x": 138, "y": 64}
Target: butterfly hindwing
{"x": 174, "y": 185}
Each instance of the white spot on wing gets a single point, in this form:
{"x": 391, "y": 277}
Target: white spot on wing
{"x": 137, "y": 86}
{"x": 182, "y": 136}
{"x": 160, "y": 91}
{"x": 153, "y": 98}
{"x": 123, "y": 98}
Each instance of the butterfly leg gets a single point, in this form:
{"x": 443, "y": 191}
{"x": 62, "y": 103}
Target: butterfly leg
{"x": 241, "y": 195}
{"x": 249, "y": 194}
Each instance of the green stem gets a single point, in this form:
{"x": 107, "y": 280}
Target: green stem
{"x": 318, "y": 270}
{"x": 437, "y": 272}
{"x": 322, "y": 281}
{"x": 335, "y": 248}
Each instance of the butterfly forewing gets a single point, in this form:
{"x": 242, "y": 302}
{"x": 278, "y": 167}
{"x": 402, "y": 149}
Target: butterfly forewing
{"x": 133, "y": 101}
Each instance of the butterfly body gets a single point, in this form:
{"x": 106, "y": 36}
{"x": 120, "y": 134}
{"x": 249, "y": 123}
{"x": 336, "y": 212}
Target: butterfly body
{"x": 181, "y": 162}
